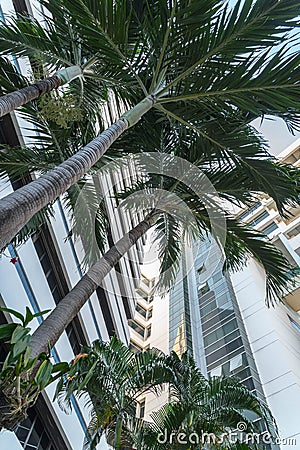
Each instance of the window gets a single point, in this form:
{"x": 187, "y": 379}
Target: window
{"x": 217, "y": 372}
{"x": 150, "y": 312}
{"x": 220, "y": 332}
{"x": 269, "y": 228}
{"x": 146, "y": 281}
{"x": 32, "y": 435}
{"x": 224, "y": 351}
{"x": 236, "y": 363}
{"x": 135, "y": 348}
{"x": 259, "y": 219}
{"x": 249, "y": 384}
{"x": 201, "y": 269}
{"x": 218, "y": 319}
{"x": 138, "y": 328}
{"x": 148, "y": 332}
{"x": 223, "y": 299}
{"x": 147, "y": 297}
{"x": 294, "y": 324}
{"x": 250, "y": 211}
{"x": 141, "y": 310}
{"x": 203, "y": 289}
{"x": 141, "y": 408}
{"x": 224, "y": 340}
{"x": 293, "y": 232}
{"x": 206, "y": 309}
{"x": 297, "y": 250}
{"x": 218, "y": 276}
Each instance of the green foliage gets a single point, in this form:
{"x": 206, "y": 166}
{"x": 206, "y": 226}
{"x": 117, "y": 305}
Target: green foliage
{"x": 22, "y": 378}
{"x": 173, "y": 50}
{"x": 112, "y": 378}
{"x": 239, "y": 178}
{"x": 52, "y": 145}
{"x": 199, "y": 405}
{"x": 60, "y": 109}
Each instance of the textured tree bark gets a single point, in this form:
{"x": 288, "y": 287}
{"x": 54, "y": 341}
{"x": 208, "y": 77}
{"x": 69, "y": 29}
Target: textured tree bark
{"x": 20, "y": 206}
{"x": 55, "y": 324}
{"x": 12, "y": 101}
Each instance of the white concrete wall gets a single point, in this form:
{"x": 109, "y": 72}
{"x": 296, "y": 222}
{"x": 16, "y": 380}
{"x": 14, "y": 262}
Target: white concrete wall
{"x": 276, "y": 349}
{"x": 159, "y": 339}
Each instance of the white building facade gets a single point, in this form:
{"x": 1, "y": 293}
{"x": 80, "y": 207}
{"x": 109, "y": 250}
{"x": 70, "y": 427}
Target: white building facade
{"x": 274, "y": 333}
{"x": 150, "y": 329}
{"x": 225, "y": 323}
{"x": 39, "y": 273}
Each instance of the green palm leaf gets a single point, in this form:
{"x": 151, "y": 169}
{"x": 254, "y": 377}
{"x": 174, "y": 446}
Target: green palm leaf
{"x": 239, "y": 177}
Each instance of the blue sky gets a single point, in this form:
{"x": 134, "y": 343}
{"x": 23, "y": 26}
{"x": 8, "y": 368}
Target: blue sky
{"x": 276, "y": 132}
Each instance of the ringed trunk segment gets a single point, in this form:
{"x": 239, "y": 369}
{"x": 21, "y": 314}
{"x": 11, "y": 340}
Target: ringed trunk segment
{"x": 55, "y": 324}
{"x": 12, "y": 101}
{"x": 20, "y": 206}
{"x": 17, "y": 208}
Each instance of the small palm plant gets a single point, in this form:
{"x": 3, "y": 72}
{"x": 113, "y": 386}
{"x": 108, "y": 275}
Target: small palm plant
{"x": 22, "y": 377}
{"x": 112, "y": 378}
{"x": 206, "y": 413}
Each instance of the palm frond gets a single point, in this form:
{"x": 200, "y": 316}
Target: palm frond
{"x": 10, "y": 78}
{"x": 230, "y": 35}
{"x": 169, "y": 239}
{"x": 243, "y": 241}
{"x": 199, "y": 405}
{"x": 25, "y": 36}
{"x": 33, "y": 226}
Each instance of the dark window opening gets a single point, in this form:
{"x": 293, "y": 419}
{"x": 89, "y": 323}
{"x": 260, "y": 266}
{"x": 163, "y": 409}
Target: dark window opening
{"x": 111, "y": 329}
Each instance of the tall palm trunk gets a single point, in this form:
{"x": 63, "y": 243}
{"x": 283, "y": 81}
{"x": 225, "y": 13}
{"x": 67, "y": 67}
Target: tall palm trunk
{"x": 118, "y": 433}
{"x": 12, "y": 101}
{"x": 55, "y": 324}
{"x": 20, "y": 206}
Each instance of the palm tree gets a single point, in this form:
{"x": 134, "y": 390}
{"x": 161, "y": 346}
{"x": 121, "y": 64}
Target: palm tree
{"x": 194, "y": 62}
{"x": 237, "y": 178}
{"x": 51, "y": 145}
{"x": 113, "y": 378}
{"x": 205, "y": 409}
{"x": 10, "y": 102}
{"x": 71, "y": 304}
{"x": 172, "y": 227}
{"x": 232, "y": 182}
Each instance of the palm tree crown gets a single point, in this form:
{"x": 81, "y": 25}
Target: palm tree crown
{"x": 199, "y": 63}
{"x": 112, "y": 378}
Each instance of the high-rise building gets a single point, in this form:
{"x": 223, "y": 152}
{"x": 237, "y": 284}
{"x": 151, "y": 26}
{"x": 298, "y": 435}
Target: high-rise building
{"x": 274, "y": 333}
{"x": 149, "y": 329}
{"x": 39, "y": 273}
{"x": 225, "y": 322}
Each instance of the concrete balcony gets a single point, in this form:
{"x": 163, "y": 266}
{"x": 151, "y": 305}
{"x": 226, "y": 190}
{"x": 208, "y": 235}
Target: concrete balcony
{"x": 293, "y": 300}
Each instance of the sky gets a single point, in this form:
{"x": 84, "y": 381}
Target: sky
{"x": 276, "y": 132}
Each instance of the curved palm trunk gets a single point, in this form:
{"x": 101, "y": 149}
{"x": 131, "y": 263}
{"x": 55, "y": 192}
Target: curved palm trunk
{"x": 118, "y": 433}
{"x": 12, "y": 101}
{"x": 18, "y": 207}
{"x": 55, "y": 324}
